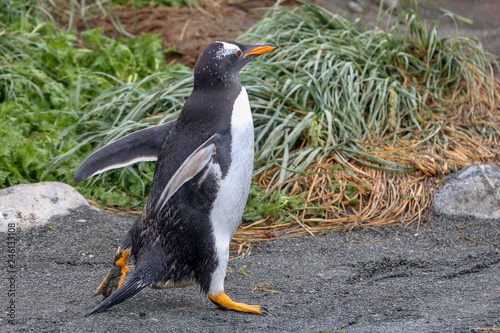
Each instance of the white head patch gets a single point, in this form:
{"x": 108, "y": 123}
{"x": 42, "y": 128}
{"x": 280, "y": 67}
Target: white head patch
{"x": 226, "y": 50}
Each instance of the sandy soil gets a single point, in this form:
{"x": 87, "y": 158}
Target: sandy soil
{"x": 445, "y": 276}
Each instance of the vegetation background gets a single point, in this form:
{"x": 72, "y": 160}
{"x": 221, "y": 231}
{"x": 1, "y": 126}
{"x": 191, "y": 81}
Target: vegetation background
{"x": 355, "y": 124}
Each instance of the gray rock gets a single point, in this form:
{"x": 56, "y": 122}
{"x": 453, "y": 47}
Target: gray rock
{"x": 389, "y": 3}
{"x": 33, "y": 205}
{"x": 355, "y": 7}
{"x": 474, "y": 191}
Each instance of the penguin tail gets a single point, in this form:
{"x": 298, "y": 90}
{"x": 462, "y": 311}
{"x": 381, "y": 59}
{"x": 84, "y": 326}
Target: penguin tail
{"x": 127, "y": 290}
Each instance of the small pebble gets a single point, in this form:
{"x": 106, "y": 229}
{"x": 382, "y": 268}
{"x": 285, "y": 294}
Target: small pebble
{"x": 355, "y": 7}
{"x": 81, "y": 221}
{"x": 390, "y": 4}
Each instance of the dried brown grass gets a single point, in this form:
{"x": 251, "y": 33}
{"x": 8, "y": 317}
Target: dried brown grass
{"x": 388, "y": 198}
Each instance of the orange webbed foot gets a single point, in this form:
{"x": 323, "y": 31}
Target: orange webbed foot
{"x": 116, "y": 274}
{"x": 224, "y": 302}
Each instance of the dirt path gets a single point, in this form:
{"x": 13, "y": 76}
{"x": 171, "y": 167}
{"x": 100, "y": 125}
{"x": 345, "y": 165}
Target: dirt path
{"x": 441, "y": 277}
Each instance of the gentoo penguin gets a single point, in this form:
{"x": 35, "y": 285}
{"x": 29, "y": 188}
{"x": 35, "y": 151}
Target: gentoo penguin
{"x": 204, "y": 163}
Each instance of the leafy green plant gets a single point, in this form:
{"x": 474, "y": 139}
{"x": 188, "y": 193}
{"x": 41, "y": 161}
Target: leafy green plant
{"x": 278, "y": 207}
{"x": 243, "y": 272}
{"x": 46, "y": 84}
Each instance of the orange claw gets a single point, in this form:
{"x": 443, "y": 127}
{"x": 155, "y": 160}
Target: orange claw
{"x": 123, "y": 267}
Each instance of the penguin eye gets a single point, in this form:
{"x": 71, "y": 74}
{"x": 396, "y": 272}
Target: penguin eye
{"x": 238, "y": 53}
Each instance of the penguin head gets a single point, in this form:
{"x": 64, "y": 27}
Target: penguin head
{"x": 220, "y": 62}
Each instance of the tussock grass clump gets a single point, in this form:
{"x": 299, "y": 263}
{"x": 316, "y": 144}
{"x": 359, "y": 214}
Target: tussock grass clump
{"x": 391, "y": 109}
{"x": 345, "y": 84}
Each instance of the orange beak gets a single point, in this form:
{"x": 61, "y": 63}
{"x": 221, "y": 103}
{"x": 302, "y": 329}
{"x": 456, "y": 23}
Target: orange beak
{"x": 260, "y": 50}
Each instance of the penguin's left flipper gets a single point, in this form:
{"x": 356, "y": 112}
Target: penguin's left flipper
{"x": 191, "y": 166}
{"x": 224, "y": 302}
{"x": 143, "y": 145}
{"x": 116, "y": 275}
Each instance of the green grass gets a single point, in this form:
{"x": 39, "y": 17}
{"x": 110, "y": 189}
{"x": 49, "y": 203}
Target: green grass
{"x": 343, "y": 83}
{"x": 46, "y": 84}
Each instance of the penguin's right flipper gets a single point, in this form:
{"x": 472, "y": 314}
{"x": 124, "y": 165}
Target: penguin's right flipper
{"x": 116, "y": 275}
{"x": 189, "y": 168}
{"x": 127, "y": 290}
{"x": 143, "y": 145}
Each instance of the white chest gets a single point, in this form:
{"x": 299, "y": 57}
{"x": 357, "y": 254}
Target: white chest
{"x": 234, "y": 187}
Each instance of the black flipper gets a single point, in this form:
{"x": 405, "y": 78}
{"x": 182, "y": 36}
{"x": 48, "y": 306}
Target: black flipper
{"x": 189, "y": 168}
{"x": 143, "y": 145}
{"x": 127, "y": 290}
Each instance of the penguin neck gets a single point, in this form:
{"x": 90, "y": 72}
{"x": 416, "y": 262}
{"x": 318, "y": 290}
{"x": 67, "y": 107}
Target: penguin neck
{"x": 211, "y": 104}
{"x": 213, "y": 80}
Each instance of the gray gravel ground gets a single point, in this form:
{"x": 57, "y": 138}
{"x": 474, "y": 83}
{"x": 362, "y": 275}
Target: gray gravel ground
{"x": 439, "y": 278}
